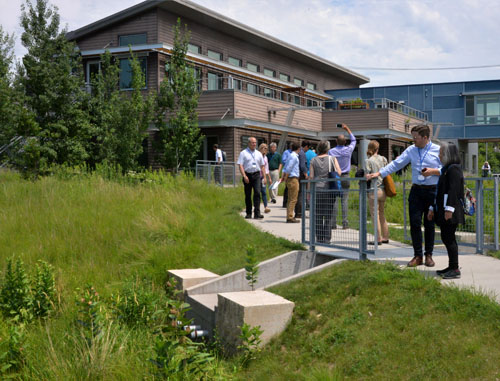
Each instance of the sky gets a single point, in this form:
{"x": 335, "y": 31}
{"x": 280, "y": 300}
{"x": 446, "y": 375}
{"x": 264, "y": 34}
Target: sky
{"x": 361, "y": 35}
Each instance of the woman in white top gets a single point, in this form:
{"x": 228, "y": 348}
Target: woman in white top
{"x": 264, "y": 175}
{"x": 373, "y": 165}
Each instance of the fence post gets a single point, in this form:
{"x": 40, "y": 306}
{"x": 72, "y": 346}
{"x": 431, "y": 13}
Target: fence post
{"x": 209, "y": 175}
{"x": 479, "y": 217}
{"x": 375, "y": 215}
{"x": 362, "y": 220}
{"x": 312, "y": 217}
{"x": 234, "y": 174}
{"x": 404, "y": 211}
{"x": 496, "y": 213}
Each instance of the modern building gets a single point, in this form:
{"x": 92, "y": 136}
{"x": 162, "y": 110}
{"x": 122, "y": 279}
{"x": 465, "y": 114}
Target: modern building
{"x": 252, "y": 84}
{"x": 462, "y": 112}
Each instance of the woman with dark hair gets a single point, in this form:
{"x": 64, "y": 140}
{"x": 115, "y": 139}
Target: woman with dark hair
{"x": 320, "y": 166}
{"x": 448, "y": 209}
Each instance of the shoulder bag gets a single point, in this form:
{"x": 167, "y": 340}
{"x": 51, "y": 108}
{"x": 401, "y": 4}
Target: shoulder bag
{"x": 334, "y": 185}
{"x": 390, "y": 188}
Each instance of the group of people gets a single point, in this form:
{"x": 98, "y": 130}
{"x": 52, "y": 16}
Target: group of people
{"x": 436, "y": 195}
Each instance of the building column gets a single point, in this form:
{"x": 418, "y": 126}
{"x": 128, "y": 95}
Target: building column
{"x": 472, "y": 157}
{"x": 362, "y": 148}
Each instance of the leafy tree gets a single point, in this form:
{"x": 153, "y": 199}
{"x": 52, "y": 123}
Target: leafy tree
{"x": 121, "y": 118}
{"x": 52, "y": 79}
{"x": 6, "y": 90}
{"x": 179, "y": 137}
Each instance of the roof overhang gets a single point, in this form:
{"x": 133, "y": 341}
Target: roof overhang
{"x": 486, "y": 92}
{"x": 275, "y": 128}
{"x": 216, "y": 21}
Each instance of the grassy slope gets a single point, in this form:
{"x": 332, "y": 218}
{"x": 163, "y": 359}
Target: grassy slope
{"x": 371, "y": 321}
{"x": 104, "y": 233}
{"x": 100, "y": 232}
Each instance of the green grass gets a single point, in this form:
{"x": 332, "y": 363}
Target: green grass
{"x": 363, "y": 320}
{"x": 104, "y": 233}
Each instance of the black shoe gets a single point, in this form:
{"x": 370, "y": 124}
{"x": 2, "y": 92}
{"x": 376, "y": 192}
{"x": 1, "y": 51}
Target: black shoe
{"x": 273, "y": 201}
{"x": 443, "y": 271}
{"x": 258, "y": 216}
{"x": 452, "y": 274}
{"x": 334, "y": 226}
{"x": 373, "y": 243}
{"x": 248, "y": 216}
{"x": 345, "y": 226}
{"x": 298, "y": 216}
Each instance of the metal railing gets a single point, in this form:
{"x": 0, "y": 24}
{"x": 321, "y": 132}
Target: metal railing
{"x": 338, "y": 218}
{"x": 378, "y": 103}
{"x": 221, "y": 174}
{"x": 480, "y": 230}
{"x": 257, "y": 88}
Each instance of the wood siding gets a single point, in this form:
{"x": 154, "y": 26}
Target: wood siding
{"x": 356, "y": 119}
{"x": 146, "y": 22}
{"x": 256, "y": 107}
{"x": 214, "y": 104}
{"x": 230, "y": 46}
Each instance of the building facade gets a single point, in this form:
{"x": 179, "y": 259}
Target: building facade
{"x": 252, "y": 84}
{"x": 462, "y": 112}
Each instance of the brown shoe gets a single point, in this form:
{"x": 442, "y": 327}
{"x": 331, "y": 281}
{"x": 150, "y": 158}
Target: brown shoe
{"x": 428, "y": 261}
{"x": 292, "y": 221}
{"x": 416, "y": 261}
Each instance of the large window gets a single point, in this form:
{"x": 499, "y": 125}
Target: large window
{"x": 482, "y": 109}
{"x": 253, "y": 89}
{"x": 126, "y": 72}
{"x": 214, "y": 81}
{"x": 133, "y": 39}
{"x": 214, "y": 55}
{"x": 269, "y": 93}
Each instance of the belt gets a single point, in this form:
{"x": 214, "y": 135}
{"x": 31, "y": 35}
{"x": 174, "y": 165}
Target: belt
{"x": 252, "y": 173}
{"x": 424, "y": 186}
{"x": 292, "y": 177}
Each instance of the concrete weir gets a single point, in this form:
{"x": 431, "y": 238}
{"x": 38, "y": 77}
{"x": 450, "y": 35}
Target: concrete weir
{"x": 227, "y": 302}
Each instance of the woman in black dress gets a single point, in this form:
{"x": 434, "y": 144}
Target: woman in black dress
{"x": 448, "y": 210}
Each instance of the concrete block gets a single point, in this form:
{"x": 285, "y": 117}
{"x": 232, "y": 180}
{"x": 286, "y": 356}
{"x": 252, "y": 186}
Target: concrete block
{"x": 256, "y": 308}
{"x": 191, "y": 277}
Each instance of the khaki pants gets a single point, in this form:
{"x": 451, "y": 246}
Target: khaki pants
{"x": 382, "y": 228}
{"x": 293, "y": 194}
{"x": 275, "y": 176}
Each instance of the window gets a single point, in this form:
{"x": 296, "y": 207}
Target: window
{"x": 296, "y": 99}
{"x": 285, "y": 77}
{"x": 192, "y": 48}
{"x": 298, "y": 81}
{"x": 252, "y": 67}
{"x": 269, "y": 93}
{"x": 92, "y": 70}
{"x": 311, "y": 86}
{"x": 214, "y": 55}
{"x": 214, "y": 81}
{"x": 234, "y": 61}
{"x": 482, "y": 109}
{"x": 126, "y": 72}
{"x": 270, "y": 72}
{"x": 244, "y": 141}
{"x": 133, "y": 39}
{"x": 253, "y": 89}
{"x": 236, "y": 84}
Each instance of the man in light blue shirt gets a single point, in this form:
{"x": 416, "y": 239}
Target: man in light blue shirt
{"x": 343, "y": 153}
{"x": 422, "y": 155}
{"x": 284, "y": 158}
{"x": 291, "y": 173}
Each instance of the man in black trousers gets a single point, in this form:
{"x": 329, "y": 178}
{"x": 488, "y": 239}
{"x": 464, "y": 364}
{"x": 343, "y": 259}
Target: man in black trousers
{"x": 251, "y": 163}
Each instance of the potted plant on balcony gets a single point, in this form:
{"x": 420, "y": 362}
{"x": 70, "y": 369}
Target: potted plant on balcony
{"x": 354, "y": 104}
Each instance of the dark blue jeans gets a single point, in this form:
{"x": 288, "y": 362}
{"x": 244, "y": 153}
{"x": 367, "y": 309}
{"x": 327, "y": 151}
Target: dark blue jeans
{"x": 418, "y": 204}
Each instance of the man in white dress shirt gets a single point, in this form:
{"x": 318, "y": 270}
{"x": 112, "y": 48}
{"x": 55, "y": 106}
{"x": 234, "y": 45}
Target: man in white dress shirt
{"x": 251, "y": 163}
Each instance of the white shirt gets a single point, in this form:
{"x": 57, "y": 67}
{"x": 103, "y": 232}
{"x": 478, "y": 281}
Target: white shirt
{"x": 252, "y": 161}
{"x": 218, "y": 156}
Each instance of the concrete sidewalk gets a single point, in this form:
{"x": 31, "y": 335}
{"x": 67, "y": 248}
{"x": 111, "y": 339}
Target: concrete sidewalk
{"x": 478, "y": 271}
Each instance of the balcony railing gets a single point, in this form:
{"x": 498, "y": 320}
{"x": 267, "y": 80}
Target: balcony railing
{"x": 483, "y": 119}
{"x": 291, "y": 95}
{"x": 380, "y": 103}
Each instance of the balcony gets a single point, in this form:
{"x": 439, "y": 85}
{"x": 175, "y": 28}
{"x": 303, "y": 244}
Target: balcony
{"x": 380, "y": 103}
{"x": 239, "y": 99}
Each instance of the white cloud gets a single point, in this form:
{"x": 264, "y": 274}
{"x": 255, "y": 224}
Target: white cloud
{"x": 351, "y": 33}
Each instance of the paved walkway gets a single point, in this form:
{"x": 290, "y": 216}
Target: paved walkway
{"x": 478, "y": 271}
